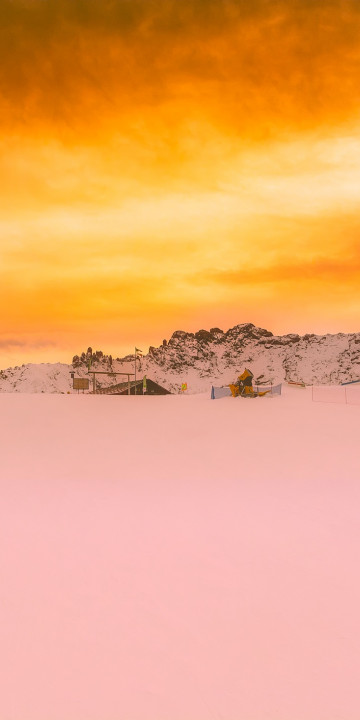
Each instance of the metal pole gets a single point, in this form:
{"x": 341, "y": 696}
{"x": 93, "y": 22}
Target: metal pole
{"x": 128, "y": 384}
{"x": 94, "y": 383}
{"x": 135, "y": 374}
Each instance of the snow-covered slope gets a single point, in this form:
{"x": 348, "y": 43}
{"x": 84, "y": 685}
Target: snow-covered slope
{"x": 32, "y": 378}
{"x": 205, "y": 358}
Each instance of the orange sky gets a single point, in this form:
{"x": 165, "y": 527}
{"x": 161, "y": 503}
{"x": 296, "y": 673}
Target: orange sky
{"x": 175, "y": 165}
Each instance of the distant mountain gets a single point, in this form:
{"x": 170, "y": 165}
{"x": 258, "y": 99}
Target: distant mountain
{"x": 205, "y": 358}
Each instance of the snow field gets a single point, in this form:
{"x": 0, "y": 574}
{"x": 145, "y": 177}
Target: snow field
{"x": 177, "y": 558}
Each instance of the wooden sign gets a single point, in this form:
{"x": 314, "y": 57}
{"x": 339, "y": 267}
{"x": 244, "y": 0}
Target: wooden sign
{"x": 81, "y": 383}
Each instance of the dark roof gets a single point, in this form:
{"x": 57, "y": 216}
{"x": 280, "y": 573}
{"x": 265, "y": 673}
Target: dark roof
{"x": 152, "y": 388}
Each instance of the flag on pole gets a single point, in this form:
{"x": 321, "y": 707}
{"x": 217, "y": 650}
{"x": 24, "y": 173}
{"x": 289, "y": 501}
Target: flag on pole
{"x": 183, "y": 387}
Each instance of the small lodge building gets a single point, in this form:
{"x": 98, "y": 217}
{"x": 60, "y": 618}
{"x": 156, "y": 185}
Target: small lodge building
{"x": 152, "y": 388}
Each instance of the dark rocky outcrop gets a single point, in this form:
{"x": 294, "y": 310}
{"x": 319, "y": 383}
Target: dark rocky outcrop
{"x": 204, "y": 336}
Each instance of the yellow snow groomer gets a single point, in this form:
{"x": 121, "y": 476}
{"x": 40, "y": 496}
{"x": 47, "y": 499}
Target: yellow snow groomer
{"x": 243, "y": 386}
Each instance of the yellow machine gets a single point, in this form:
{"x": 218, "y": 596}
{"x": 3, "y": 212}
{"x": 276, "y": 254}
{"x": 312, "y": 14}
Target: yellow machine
{"x": 243, "y": 387}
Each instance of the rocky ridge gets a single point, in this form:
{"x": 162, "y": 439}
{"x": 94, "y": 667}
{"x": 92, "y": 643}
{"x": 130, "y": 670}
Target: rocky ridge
{"x": 207, "y": 357}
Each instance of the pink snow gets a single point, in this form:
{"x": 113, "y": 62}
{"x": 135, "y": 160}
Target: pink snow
{"x": 179, "y": 558}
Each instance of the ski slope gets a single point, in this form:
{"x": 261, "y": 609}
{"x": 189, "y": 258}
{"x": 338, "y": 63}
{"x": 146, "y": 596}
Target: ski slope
{"x": 178, "y": 558}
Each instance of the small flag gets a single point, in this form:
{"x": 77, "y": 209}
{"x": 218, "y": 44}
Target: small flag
{"x": 183, "y": 387}
{"x": 137, "y": 350}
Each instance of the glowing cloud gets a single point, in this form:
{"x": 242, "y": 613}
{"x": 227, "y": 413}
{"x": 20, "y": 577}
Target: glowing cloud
{"x": 166, "y": 164}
